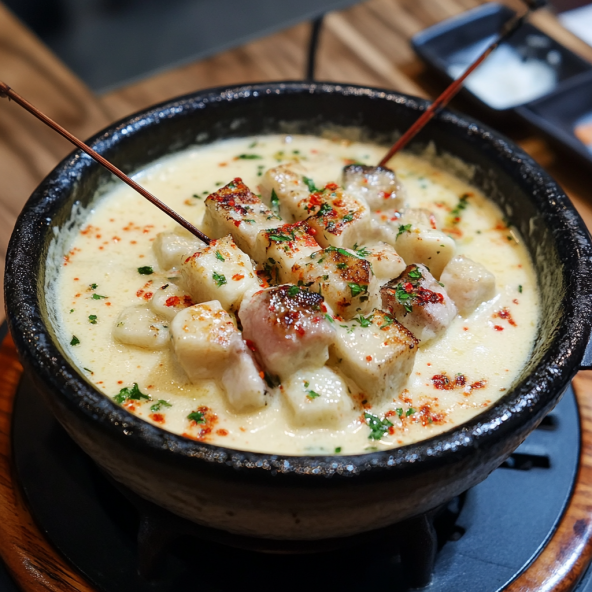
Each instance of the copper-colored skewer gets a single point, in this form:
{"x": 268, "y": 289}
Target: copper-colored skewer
{"x": 7, "y": 92}
{"x": 508, "y": 29}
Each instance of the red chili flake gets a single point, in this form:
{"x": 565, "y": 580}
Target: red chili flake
{"x": 425, "y": 296}
{"x": 157, "y": 417}
{"x": 172, "y": 301}
{"x": 368, "y": 358}
{"x": 391, "y": 430}
{"x": 120, "y": 382}
{"x": 331, "y": 186}
{"x": 237, "y": 223}
{"x": 505, "y": 314}
{"x": 250, "y": 345}
{"x": 479, "y": 384}
{"x": 133, "y": 242}
{"x": 442, "y": 382}
{"x": 237, "y": 277}
{"x": 515, "y": 301}
{"x": 222, "y": 432}
{"x": 498, "y": 328}
{"x": 76, "y": 279}
{"x": 465, "y": 328}
{"x": 386, "y": 194}
{"x": 147, "y": 296}
{"x": 312, "y": 231}
{"x": 408, "y": 287}
{"x": 300, "y": 330}
{"x": 223, "y": 164}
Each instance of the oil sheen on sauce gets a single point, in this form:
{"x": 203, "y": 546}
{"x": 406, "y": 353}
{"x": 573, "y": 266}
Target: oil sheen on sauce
{"x": 453, "y": 379}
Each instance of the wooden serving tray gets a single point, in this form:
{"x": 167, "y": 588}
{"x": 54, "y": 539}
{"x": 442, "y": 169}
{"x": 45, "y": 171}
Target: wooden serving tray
{"x": 35, "y": 565}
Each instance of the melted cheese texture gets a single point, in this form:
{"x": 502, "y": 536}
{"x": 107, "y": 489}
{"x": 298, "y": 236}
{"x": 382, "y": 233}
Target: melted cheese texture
{"x": 454, "y": 377}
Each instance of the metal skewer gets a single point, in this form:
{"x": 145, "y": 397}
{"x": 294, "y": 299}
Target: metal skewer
{"x": 7, "y": 92}
{"x": 506, "y": 31}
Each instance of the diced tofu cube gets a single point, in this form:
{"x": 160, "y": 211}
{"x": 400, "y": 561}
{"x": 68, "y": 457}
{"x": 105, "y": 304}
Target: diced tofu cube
{"x": 418, "y": 217}
{"x": 235, "y": 210}
{"x": 340, "y": 220}
{"x": 205, "y": 338}
{"x": 283, "y": 246}
{"x": 418, "y": 244}
{"x": 173, "y": 247}
{"x": 220, "y": 271}
{"x": 386, "y": 262}
{"x": 468, "y": 283}
{"x": 317, "y": 398}
{"x": 419, "y": 303}
{"x": 378, "y": 186}
{"x": 283, "y": 189}
{"x": 245, "y": 389}
{"x": 377, "y": 353}
{"x": 287, "y": 328}
{"x": 168, "y": 300}
{"x": 341, "y": 276}
{"x": 140, "y": 326}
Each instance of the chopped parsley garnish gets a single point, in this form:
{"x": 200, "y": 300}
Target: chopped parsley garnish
{"x": 197, "y": 417}
{"x": 311, "y": 186}
{"x": 275, "y": 202}
{"x": 253, "y": 144}
{"x": 75, "y": 340}
{"x": 399, "y": 412}
{"x": 415, "y": 274}
{"x": 338, "y": 450}
{"x": 312, "y": 395}
{"x": 71, "y": 310}
{"x": 160, "y": 403}
{"x": 278, "y": 236}
{"x": 146, "y": 270}
{"x": 386, "y": 322}
{"x": 378, "y": 427}
{"x": 403, "y": 297}
{"x": 219, "y": 256}
{"x": 357, "y": 289}
{"x": 92, "y": 319}
{"x": 219, "y": 278}
{"x": 329, "y": 318}
{"x": 361, "y": 251}
{"x": 410, "y": 411}
{"x": 133, "y": 393}
{"x": 98, "y": 296}
{"x": 88, "y": 370}
{"x": 403, "y": 228}
{"x": 293, "y": 290}
{"x": 520, "y": 288}
{"x": 93, "y": 286}
{"x": 196, "y": 196}
{"x": 462, "y": 204}
{"x": 249, "y": 156}
{"x": 324, "y": 210}
{"x": 306, "y": 383}
{"x": 348, "y": 217}
{"x": 364, "y": 321}
{"x": 250, "y": 221}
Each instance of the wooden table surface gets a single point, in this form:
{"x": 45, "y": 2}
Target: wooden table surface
{"x": 367, "y": 44}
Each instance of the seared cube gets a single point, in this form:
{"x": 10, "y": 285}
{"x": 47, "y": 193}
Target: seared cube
{"x": 283, "y": 189}
{"x": 168, "y": 300}
{"x": 235, "y": 210}
{"x": 287, "y": 328}
{"x": 282, "y": 247}
{"x": 377, "y": 353}
{"x": 245, "y": 389}
{"x": 173, "y": 247}
{"x": 377, "y": 185}
{"x": 204, "y": 337}
{"x": 386, "y": 262}
{"x": 341, "y": 276}
{"x": 140, "y": 326}
{"x": 317, "y": 398}
{"x": 220, "y": 271}
{"x": 339, "y": 219}
{"x": 419, "y": 302}
{"x": 468, "y": 283}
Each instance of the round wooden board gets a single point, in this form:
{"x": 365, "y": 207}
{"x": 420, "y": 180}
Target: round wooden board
{"x": 35, "y": 565}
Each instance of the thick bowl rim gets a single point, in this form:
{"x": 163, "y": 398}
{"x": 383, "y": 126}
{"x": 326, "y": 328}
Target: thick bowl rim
{"x": 526, "y": 403}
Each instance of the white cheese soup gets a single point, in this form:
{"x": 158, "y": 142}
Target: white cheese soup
{"x": 340, "y": 308}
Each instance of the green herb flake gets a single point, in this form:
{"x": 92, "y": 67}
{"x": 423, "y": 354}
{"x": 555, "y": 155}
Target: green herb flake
{"x": 403, "y": 297}
{"x": 403, "y": 228}
{"x": 364, "y": 321}
{"x": 324, "y": 210}
{"x": 75, "y": 340}
{"x": 93, "y": 286}
{"x": 520, "y": 288}
{"x": 378, "y": 427}
{"x": 219, "y": 278}
{"x": 275, "y": 202}
{"x": 253, "y": 144}
{"x": 92, "y": 319}
{"x": 462, "y": 204}
{"x": 197, "y": 417}
{"x": 415, "y": 274}
{"x": 146, "y": 270}
{"x": 341, "y": 265}
{"x": 88, "y": 370}
{"x": 98, "y": 297}
{"x": 293, "y": 290}
{"x": 197, "y": 196}
{"x": 386, "y": 322}
{"x": 311, "y": 186}
{"x": 399, "y": 411}
{"x": 71, "y": 310}
{"x": 306, "y": 383}
{"x": 357, "y": 289}
{"x": 361, "y": 251}
{"x": 249, "y": 157}
{"x": 338, "y": 450}
{"x": 160, "y": 403}
{"x": 312, "y": 395}
{"x": 329, "y": 318}
{"x": 348, "y": 217}
{"x": 410, "y": 411}
{"x": 219, "y": 256}
{"x": 133, "y": 393}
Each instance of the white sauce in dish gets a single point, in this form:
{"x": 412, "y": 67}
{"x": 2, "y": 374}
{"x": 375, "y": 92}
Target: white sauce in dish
{"x": 454, "y": 377}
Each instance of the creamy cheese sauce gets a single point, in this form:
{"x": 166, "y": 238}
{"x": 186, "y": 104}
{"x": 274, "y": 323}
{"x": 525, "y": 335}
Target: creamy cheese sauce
{"x": 481, "y": 355}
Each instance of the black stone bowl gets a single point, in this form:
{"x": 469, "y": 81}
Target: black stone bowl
{"x": 305, "y": 497}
